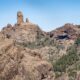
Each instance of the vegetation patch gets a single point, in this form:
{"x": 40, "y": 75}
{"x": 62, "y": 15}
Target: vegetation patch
{"x": 77, "y": 42}
{"x": 39, "y": 43}
{"x": 66, "y": 60}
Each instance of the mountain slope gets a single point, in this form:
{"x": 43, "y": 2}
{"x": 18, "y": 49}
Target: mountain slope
{"x": 28, "y": 53}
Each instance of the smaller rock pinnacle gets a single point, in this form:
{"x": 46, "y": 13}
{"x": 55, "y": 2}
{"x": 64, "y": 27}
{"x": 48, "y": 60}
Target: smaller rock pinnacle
{"x": 27, "y": 20}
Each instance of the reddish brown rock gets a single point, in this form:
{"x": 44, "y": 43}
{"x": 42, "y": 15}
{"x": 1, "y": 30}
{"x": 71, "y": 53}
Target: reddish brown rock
{"x": 68, "y": 31}
{"x": 19, "y": 18}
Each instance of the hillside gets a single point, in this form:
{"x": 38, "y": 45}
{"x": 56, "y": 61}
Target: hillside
{"x": 29, "y": 53}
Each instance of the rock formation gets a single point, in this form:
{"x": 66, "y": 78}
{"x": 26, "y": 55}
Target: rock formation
{"x": 19, "y": 18}
{"x": 68, "y": 31}
{"x": 22, "y": 31}
{"x": 18, "y": 62}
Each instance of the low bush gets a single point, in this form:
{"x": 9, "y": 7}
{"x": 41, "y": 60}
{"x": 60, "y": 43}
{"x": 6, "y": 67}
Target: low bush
{"x": 77, "y": 42}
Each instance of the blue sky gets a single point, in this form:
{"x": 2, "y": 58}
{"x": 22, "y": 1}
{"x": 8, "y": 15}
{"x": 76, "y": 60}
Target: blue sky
{"x": 48, "y": 14}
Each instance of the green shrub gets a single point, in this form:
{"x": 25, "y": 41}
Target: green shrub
{"x": 66, "y": 60}
{"x": 39, "y": 43}
{"x": 58, "y": 74}
{"x": 77, "y": 41}
{"x": 72, "y": 73}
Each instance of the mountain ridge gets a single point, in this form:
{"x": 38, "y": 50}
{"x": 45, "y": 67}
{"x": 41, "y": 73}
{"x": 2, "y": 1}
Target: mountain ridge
{"x": 29, "y": 53}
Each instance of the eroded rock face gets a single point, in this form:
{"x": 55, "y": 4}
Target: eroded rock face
{"x": 27, "y": 32}
{"x": 17, "y": 63}
{"x": 72, "y": 31}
